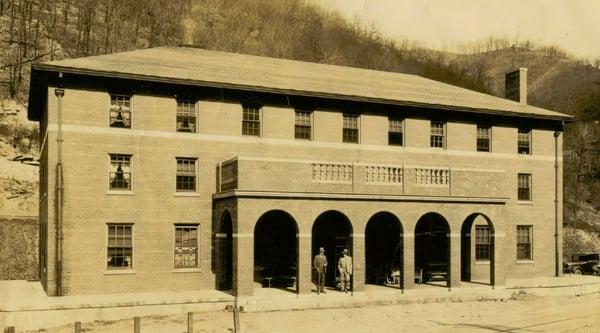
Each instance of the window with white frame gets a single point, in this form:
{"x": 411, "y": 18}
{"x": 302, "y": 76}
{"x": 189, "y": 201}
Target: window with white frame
{"x": 350, "y": 129}
{"x": 186, "y": 246}
{"x": 524, "y": 187}
{"x": 251, "y": 121}
{"x": 120, "y": 111}
{"x": 437, "y": 138}
{"x": 524, "y": 242}
{"x": 482, "y": 242}
{"x": 186, "y": 116}
{"x": 303, "y": 128}
{"x": 186, "y": 174}
{"x": 484, "y": 138}
{"x": 524, "y": 141}
{"x": 396, "y": 132}
{"x": 119, "y": 172}
{"x": 119, "y": 253}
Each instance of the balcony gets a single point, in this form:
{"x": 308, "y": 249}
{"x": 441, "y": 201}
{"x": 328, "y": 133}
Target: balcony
{"x": 346, "y": 178}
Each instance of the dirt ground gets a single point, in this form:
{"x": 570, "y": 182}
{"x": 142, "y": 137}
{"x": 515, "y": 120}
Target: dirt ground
{"x": 522, "y": 314}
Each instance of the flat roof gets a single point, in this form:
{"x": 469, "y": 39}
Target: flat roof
{"x": 186, "y": 65}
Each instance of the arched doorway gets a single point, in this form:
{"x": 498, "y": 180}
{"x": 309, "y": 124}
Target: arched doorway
{"x": 432, "y": 249}
{"x": 276, "y": 251}
{"x": 224, "y": 240}
{"x": 384, "y": 250}
{"x": 477, "y": 262}
{"x": 332, "y": 230}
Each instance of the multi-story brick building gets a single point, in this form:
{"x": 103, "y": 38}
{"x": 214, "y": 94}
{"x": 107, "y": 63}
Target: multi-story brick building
{"x": 180, "y": 168}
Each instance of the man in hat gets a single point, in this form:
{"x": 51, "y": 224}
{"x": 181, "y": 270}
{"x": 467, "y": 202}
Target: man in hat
{"x": 345, "y": 268}
{"x": 320, "y": 265}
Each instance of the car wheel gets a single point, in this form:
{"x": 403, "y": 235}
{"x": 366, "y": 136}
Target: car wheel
{"x": 577, "y": 272}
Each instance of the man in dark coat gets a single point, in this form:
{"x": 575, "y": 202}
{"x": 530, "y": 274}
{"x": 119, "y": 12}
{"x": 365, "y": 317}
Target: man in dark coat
{"x": 320, "y": 265}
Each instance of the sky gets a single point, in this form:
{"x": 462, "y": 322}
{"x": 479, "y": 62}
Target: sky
{"x": 573, "y": 25}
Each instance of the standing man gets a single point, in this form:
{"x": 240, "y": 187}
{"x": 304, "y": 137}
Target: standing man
{"x": 345, "y": 268}
{"x": 320, "y": 265}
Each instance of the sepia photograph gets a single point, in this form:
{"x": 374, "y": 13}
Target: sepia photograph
{"x": 253, "y": 166}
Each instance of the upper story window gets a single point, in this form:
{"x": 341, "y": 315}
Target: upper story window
{"x": 251, "y": 121}
{"x": 396, "y": 132}
{"x": 186, "y": 175}
{"x": 524, "y": 242}
{"x": 186, "y": 246}
{"x": 119, "y": 253}
{"x": 524, "y": 141}
{"x": 186, "y": 116}
{"x": 303, "y": 125}
{"x": 484, "y": 138}
{"x": 120, "y": 172}
{"x": 437, "y": 138}
{"x": 524, "y": 187}
{"x": 483, "y": 241}
{"x": 350, "y": 130}
{"x": 120, "y": 111}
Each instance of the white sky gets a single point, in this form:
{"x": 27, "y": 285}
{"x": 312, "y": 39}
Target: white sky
{"x": 573, "y": 25}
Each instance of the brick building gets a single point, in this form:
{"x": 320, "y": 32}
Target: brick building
{"x": 180, "y": 169}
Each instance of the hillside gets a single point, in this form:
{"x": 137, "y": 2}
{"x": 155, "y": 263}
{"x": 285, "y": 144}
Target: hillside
{"x": 55, "y": 29}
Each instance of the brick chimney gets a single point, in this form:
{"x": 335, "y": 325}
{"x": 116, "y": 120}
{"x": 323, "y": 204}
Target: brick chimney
{"x": 515, "y": 85}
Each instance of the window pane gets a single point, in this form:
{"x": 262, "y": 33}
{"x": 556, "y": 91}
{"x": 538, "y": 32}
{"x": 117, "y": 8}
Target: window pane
{"x": 186, "y": 247}
{"x": 186, "y": 116}
{"x": 524, "y": 242}
{"x": 483, "y": 138}
{"x": 251, "y": 121}
{"x": 482, "y": 242}
{"x": 120, "y": 247}
{"x": 437, "y": 134}
{"x": 303, "y": 125}
{"x": 186, "y": 174}
{"x": 524, "y": 141}
{"x": 120, "y": 172}
{"x": 120, "y": 111}
{"x": 524, "y": 187}
{"x": 350, "y": 129}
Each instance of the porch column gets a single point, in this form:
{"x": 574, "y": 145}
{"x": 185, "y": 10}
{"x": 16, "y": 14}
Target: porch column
{"x": 408, "y": 269}
{"x": 497, "y": 270}
{"x": 243, "y": 264}
{"x": 358, "y": 261}
{"x": 304, "y": 277}
{"x": 454, "y": 269}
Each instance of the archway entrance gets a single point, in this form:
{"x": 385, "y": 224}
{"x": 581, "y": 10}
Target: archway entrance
{"x": 332, "y": 230}
{"x": 384, "y": 250}
{"x": 224, "y": 240}
{"x": 276, "y": 251}
{"x": 477, "y": 262}
{"x": 432, "y": 249}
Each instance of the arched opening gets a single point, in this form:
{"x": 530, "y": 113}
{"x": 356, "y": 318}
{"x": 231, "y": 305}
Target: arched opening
{"x": 224, "y": 240}
{"x": 332, "y": 231}
{"x": 384, "y": 250}
{"x": 432, "y": 249}
{"x": 477, "y": 249}
{"x": 276, "y": 251}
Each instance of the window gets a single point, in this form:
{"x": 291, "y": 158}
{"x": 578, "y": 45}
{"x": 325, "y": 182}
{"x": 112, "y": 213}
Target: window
{"x": 251, "y": 121}
{"x": 120, "y": 246}
{"x": 186, "y": 174}
{"x": 524, "y": 241}
{"x": 437, "y": 138}
{"x": 396, "y": 132}
{"x": 303, "y": 125}
{"x": 484, "y": 135}
{"x": 120, "y": 172}
{"x": 186, "y": 246}
{"x": 120, "y": 111}
{"x": 524, "y": 187}
{"x": 350, "y": 130}
{"x": 524, "y": 141}
{"x": 186, "y": 116}
{"x": 482, "y": 242}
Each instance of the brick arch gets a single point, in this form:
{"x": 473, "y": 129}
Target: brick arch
{"x": 224, "y": 251}
{"x": 433, "y": 247}
{"x": 384, "y": 249}
{"x": 466, "y": 255}
{"x": 333, "y": 231}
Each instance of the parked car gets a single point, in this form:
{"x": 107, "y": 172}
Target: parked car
{"x": 583, "y": 263}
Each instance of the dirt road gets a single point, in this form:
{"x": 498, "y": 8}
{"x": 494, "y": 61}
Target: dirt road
{"x": 524, "y": 314}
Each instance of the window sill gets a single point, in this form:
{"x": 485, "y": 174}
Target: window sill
{"x": 187, "y": 194}
{"x": 482, "y": 262}
{"x": 186, "y": 270}
{"x": 525, "y": 262}
{"x": 114, "y": 192}
{"x": 524, "y": 202}
{"x": 119, "y": 271}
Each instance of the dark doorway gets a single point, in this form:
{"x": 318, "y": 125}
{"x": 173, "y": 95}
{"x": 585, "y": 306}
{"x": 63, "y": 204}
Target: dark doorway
{"x": 332, "y": 230}
{"x": 477, "y": 246}
{"x": 384, "y": 250}
{"x": 224, "y": 240}
{"x": 276, "y": 251}
{"x": 432, "y": 248}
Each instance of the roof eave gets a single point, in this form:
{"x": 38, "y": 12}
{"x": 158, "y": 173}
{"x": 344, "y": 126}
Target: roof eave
{"x": 112, "y": 74}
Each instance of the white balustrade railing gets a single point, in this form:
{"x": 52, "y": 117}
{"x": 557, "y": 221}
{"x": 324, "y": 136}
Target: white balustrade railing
{"x": 383, "y": 175}
{"x": 432, "y": 176}
{"x": 332, "y": 173}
